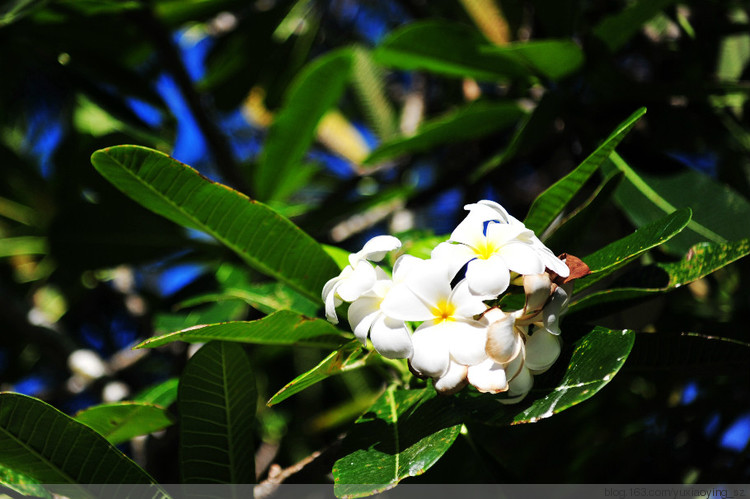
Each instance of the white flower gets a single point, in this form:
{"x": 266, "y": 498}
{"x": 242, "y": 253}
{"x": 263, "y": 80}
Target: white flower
{"x": 522, "y": 343}
{"x": 358, "y": 277}
{"x": 390, "y": 337}
{"x": 493, "y": 243}
{"x": 449, "y": 333}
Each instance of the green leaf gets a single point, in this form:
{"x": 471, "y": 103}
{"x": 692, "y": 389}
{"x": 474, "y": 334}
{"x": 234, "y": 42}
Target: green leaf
{"x": 368, "y": 81}
{"x": 344, "y": 359}
{"x": 617, "y": 29}
{"x": 21, "y": 484}
{"x": 23, "y": 245}
{"x": 265, "y": 240}
{"x": 44, "y": 444}
{"x": 702, "y": 260}
{"x": 551, "y": 202}
{"x": 567, "y": 236}
{"x": 314, "y": 91}
{"x": 596, "y": 359}
{"x": 280, "y": 328}
{"x": 121, "y": 421}
{"x": 403, "y": 434}
{"x": 217, "y": 400}
{"x": 719, "y": 213}
{"x": 446, "y": 48}
{"x": 552, "y": 59}
{"x": 469, "y": 122}
{"x": 162, "y": 394}
{"x": 14, "y": 10}
{"x": 613, "y": 256}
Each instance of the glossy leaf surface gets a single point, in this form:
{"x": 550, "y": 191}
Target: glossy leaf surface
{"x": 613, "y": 256}
{"x": 121, "y": 421}
{"x": 403, "y": 434}
{"x": 344, "y": 359}
{"x": 280, "y": 328}
{"x": 265, "y": 240}
{"x": 217, "y": 398}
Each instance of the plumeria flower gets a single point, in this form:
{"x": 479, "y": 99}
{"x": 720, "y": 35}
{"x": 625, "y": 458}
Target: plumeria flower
{"x": 522, "y": 343}
{"x": 449, "y": 334}
{"x": 359, "y": 276}
{"x": 494, "y": 244}
{"x": 390, "y": 337}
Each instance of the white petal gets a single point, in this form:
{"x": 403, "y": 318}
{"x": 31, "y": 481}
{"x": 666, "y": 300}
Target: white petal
{"x": 453, "y": 380}
{"x": 430, "y": 280}
{"x": 503, "y": 342}
{"x": 362, "y": 312}
{"x": 455, "y": 255}
{"x": 557, "y": 306}
{"x": 331, "y": 303}
{"x": 537, "y": 288}
{"x": 466, "y": 341}
{"x": 522, "y": 383}
{"x": 328, "y": 287}
{"x": 376, "y": 248}
{"x": 467, "y": 304}
{"x": 550, "y": 260}
{"x": 490, "y": 210}
{"x": 488, "y": 377}
{"x": 430, "y": 356}
{"x": 542, "y": 350}
{"x": 360, "y": 281}
{"x": 471, "y": 229}
{"x": 391, "y": 338}
{"x": 521, "y": 258}
{"x": 488, "y": 278}
{"x": 502, "y": 233}
{"x": 402, "y": 266}
{"x": 402, "y": 304}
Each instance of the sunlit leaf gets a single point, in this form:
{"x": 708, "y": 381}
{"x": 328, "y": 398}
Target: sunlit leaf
{"x": 616, "y": 254}
{"x": 264, "y": 239}
{"x": 549, "y": 204}
{"x": 21, "y": 484}
{"x": 346, "y": 358}
{"x": 596, "y": 359}
{"x": 702, "y": 260}
{"x": 719, "y": 213}
{"x": 470, "y": 122}
{"x": 315, "y": 90}
{"x": 368, "y": 80}
{"x": 23, "y": 245}
{"x": 121, "y": 421}
{"x": 553, "y": 59}
{"x": 44, "y": 444}
{"x": 403, "y": 434}
{"x": 162, "y": 394}
{"x": 217, "y": 398}
{"x": 280, "y": 328}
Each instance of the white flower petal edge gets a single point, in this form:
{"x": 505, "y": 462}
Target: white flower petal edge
{"x": 453, "y": 380}
{"x": 488, "y": 377}
{"x": 391, "y": 338}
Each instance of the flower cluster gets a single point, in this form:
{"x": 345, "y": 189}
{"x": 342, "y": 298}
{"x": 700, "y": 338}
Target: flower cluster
{"x": 464, "y": 336}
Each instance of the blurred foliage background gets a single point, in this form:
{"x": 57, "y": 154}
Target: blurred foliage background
{"x": 426, "y": 123}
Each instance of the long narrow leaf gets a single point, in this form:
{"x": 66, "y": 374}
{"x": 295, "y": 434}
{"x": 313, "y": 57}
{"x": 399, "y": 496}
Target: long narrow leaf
{"x": 551, "y": 202}
{"x": 315, "y": 90}
{"x": 280, "y": 328}
{"x": 613, "y": 256}
{"x": 344, "y": 359}
{"x": 121, "y": 421}
{"x": 264, "y": 239}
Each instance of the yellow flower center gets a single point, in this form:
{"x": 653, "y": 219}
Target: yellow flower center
{"x": 444, "y": 311}
{"x": 485, "y": 249}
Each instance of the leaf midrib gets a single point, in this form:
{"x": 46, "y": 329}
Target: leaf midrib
{"x": 191, "y": 216}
